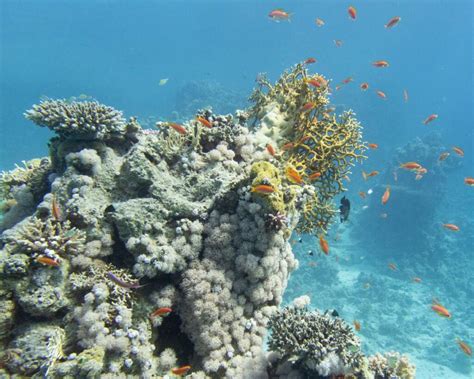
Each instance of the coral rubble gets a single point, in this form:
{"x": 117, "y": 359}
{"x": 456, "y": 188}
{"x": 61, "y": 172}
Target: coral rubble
{"x": 194, "y": 219}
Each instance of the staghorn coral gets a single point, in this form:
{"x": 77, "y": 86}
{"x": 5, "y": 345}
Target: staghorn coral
{"x": 295, "y": 116}
{"x": 315, "y": 342}
{"x": 78, "y": 120}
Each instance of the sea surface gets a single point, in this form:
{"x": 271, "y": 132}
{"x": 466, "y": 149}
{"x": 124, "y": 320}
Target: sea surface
{"x": 387, "y": 262}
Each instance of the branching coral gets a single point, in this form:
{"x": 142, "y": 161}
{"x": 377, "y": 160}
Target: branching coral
{"x": 316, "y": 342}
{"x": 49, "y": 238}
{"x": 316, "y": 145}
{"x": 81, "y": 120}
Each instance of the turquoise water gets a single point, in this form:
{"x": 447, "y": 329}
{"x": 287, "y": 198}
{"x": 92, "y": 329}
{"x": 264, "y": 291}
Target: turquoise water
{"x": 211, "y": 52}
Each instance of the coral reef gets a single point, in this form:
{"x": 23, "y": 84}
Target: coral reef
{"x": 157, "y": 250}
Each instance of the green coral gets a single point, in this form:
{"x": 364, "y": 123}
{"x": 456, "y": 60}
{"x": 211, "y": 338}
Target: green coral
{"x": 296, "y": 116}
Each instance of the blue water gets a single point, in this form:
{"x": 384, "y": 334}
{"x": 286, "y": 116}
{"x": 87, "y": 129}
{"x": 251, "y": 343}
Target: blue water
{"x": 117, "y": 53}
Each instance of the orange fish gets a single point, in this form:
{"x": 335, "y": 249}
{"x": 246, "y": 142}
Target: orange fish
{"x": 364, "y": 86}
{"x": 393, "y": 267}
{"x": 381, "y": 94}
{"x": 293, "y": 175}
{"x": 271, "y": 150}
{"x": 458, "y": 151}
{"x": 452, "y": 227}
{"x": 469, "y": 181}
{"x": 430, "y": 118}
{"x": 386, "y": 195}
{"x": 47, "y": 261}
{"x": 263, "y": 188}
{"x": 288, "y": 146}
{"x": 370, "y": 174}
{"x": 314, "y": 176}
{"x": 204, "y": 122}
{"x": 324, "y": 245}
{"x": 373, "y": 145}
{"x": 380, "y": 64}
{"x": 319, "y": 22}
{"x": 179, "y": 128}
{"x": 161, "y": 312}
{"x": 357, "y": 325}
{"x": 352, "y": 12}
{"x": 181, "y": 370}
{"x": 348, "y": 80}
{"x": 416, "y": 279}
{"x": 279, "y": 15}
{"x": 338, "y": 42}
{"x": 55, "y": 210}
{"x": 392, "y": 22}
{"x": 410, "y": 166}
{"x": 362, "y": 195}
{"x": 310, "y": 60}
{"x": 443, "y": 156}
{"x": 440, "y": 310}
{"x": 308, "y": 107}
{"x": 464, "y": 347}
{"x": 405, "y": 95}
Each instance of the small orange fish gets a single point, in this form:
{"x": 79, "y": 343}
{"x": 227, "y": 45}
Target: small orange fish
{"x": 416, "y": 279}
{"x": 161, "y": 312}
{"x": 440, "y": 310}
{"x": 204, "y": 122}
{"x": 469, "y": 181}
{"x": 405, "y": 95}
{"x": 320, "y": 22}
{"x": 324, "y": 245}
{"x": 179, "y": 128}
{"x": 181, "y": 370}
{"x": 362, "y": 195}
{"x": 263, "y": 188}
{"x": 380, "y": 64}
{"x": 373, "y": 146}
{"x": 287, "y": 146}
{"x": 452, "y": 227}
{"x": 386, "y": 195}
{"x": 271, "y": 150}
{"x": 279, "y": 15}
{"x": 308, "y": 107}
{"x": 393, "y": 267}
{"x": 364, "y": 86}
{"x": 370, "y": 174}
{"x": 430, "y": 118}
{"x": 458, "y": 151}
{"x": 352, "y": 12}
{"x": 47, "y": 261}
{"x": 411, "y": 166}
{"x": 464, "y": 347}
{"x": 55, "y": 210}
{"x": 381, "y": 94}
{"x": 338, "y": 42}
{"x": 310, "y": 61}
{"x": 348, "y": 80}
{"x": 443, "y": 156}
{"x": 314, "y": 176}
{"x": 392, "y": 22}
{"x": 356, "y": 325}
{"x": 293, "y": 175}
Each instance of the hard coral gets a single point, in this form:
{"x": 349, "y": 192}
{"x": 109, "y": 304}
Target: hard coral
{"x": 78, "y": 120}
{"x": 315, "y": 342}
{"x": 295, "y": 116}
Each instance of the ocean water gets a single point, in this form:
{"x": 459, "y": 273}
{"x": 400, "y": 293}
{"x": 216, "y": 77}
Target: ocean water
{"x": 211, "y": 52}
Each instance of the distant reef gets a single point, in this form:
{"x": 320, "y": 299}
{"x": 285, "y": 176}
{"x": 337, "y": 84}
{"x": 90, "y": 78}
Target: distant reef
{"x": 164, "y": 253}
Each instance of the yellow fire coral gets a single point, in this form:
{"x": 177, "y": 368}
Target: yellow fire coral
{"x": 316, "y": 145}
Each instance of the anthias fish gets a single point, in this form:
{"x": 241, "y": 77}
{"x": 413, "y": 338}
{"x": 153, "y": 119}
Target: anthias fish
{"x": 469, "y": 181}
{"x": 324, "y": 245}
{"x": 263, "y": 188}
{"x": 386, "y": 196}
{"x": 440, "y": 310}
{"x": 279, "y": 15}
{"x": 430, "y": 118}
{"x": 452, "y": 227}
{"x": 181, "y": 370}
{"x": 352, "y": 12}
{"x": 364, "y": 86}
{"x": 380, "y": 63}
{"x": 204, "y": 122}
{"x": 161, "y": 312}
{"x": 47, "y": 261}
{"x": 392, "y": 22}
{"x": 464, "y": 347}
